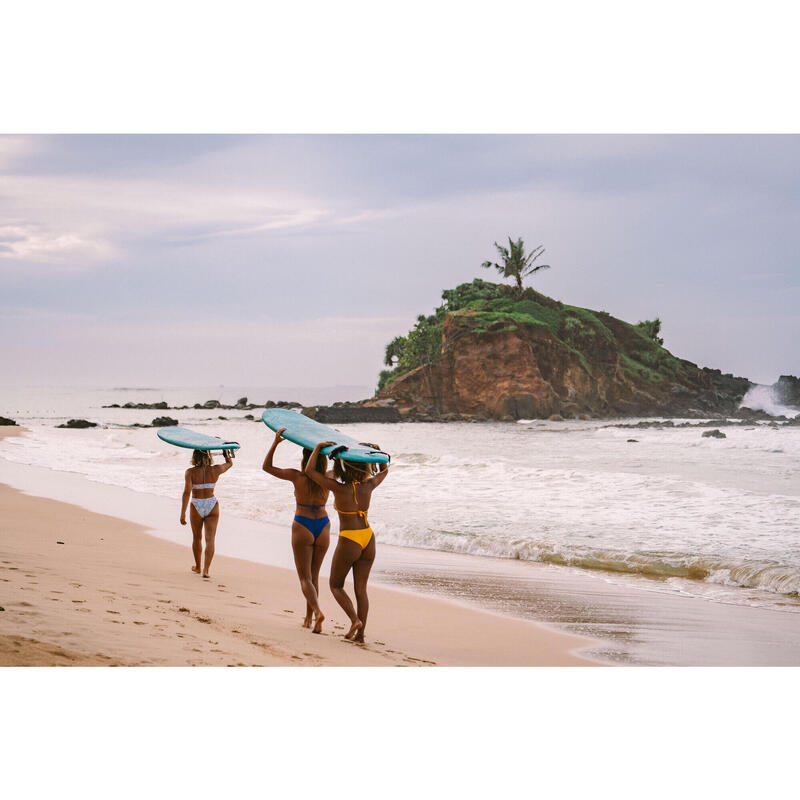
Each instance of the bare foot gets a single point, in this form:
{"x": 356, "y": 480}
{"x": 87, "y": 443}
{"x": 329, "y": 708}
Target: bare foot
{"x": 307, "y": 620}
{"x": 318, "y": 620}
{"x": 196, "y": 570}
{"x": 359, "y": 637}
{"x": 206, "y": 575}
{"x": 354, "y": 629}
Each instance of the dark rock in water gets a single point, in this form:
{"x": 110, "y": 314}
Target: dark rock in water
{"x": 787, "y": 388}
{"x": 249, "y": 416}
{"x": 716, "y": 434}
{"x": 197, "y": 405}
{"x": 222, "y": 418}
{"x": 241, "y": 402}
{"x": 113, "y": 405}
{"x": 78, "y": 423}
{"x": 7, "y": 421}
{"x": 332, "y": 415}
{"x": 269, "y": 404}
{"x": 633, "y": 440}
{"x": 211, "y": 404}
{"x": 163, "y": 422}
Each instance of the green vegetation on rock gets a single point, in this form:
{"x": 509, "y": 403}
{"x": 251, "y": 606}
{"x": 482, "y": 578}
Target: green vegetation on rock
{"x": 489, "y": 308}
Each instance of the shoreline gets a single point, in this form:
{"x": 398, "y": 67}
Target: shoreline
{"x": 112, "y": 594}
{"x": 635, "y": 622}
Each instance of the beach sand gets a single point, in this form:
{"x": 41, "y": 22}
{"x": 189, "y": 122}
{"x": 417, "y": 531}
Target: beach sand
{"x": 80, "y": 588}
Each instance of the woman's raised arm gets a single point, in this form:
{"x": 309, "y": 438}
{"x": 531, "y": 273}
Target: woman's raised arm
{"x": 267, "y": 466}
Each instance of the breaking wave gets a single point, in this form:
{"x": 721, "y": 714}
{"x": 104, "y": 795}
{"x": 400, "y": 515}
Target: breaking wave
{"x": 761, "y": 575}
{"x": 764, "y": 398}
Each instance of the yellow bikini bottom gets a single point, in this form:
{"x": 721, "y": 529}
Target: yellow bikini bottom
{"x": 361, "y": 537}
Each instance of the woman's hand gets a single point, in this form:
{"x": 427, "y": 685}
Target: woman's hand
{"x": 183, "y": 520}
{"x": 279, "y": 435}
{"x": 373, "y": 446}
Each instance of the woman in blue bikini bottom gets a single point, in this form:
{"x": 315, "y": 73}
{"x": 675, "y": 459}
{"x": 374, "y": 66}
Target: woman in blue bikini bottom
{"x": 310, "y": 528}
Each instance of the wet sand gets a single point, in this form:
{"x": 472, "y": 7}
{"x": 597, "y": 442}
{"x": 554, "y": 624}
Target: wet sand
{"x": 82, "y": 588}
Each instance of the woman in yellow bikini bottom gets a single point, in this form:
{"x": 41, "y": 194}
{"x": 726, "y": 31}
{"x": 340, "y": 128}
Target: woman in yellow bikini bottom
{"x": 355, "y": 548}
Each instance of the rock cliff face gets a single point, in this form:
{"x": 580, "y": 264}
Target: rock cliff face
{"x": 517, "y": 369}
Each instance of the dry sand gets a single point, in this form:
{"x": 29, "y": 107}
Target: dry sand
{"x": 80, "y": 588}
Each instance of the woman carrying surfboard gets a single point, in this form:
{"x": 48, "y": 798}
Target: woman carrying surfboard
{"x": 356, "y": 546}
{"x": 310, "y": 527}
{"x": 204, "y": 514}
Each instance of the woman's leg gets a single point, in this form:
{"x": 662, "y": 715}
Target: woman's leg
{"x": 317, "y": 557}
{"x": 210, "y": 523}
{"x": 196, "y": 522}
{"x": 303, "y": 549}
{"x": 360, "y": 577}
{"x": 345, "y": 555}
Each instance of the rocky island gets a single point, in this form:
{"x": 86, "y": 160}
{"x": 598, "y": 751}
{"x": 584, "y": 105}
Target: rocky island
{"x": 492, "y": 351}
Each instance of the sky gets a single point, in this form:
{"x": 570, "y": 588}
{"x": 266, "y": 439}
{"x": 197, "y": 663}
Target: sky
{"x": 292, "y": 260}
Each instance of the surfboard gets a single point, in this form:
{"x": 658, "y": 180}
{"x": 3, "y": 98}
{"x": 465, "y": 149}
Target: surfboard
{"x": 183, "y": 437}
{"x": 308, "y": 433}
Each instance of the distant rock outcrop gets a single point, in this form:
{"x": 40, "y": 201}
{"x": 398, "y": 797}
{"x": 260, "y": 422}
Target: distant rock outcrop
{"x": 787, "y": 390}
{"x": 342, "y": 413}
{"x": 78, "y": 423}
{"x": 7, "y": 421}
{"x": 493, "y": 353}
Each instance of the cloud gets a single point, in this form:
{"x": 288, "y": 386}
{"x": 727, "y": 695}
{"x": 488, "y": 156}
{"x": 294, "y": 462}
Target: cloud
{"x": 31, "y": 243}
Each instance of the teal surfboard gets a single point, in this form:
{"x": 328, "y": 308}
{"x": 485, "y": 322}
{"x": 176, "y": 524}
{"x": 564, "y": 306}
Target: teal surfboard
{"x": 183, "y": 437}
{"x": 308, "y": 433}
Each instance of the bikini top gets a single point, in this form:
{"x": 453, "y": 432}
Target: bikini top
{"x": 204, "y": 485}
{"x": 362, "y": 514}
{"x": 306, "y": 505}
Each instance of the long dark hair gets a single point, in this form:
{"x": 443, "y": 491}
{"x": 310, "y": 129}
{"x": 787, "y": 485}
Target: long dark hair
{"x": 322, "y": 461}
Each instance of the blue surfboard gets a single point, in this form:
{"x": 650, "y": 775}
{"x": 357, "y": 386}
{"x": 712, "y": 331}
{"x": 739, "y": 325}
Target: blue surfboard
{"x": 183, "y": 437}
{"x": 309, "y": 433}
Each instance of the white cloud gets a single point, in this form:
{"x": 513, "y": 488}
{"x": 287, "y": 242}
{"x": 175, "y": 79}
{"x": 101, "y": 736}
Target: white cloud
{"x": 85, "y": 220}
{"x": 31, "y": 243}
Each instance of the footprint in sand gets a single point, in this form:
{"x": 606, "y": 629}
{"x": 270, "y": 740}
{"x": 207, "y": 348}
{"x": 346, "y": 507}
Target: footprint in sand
{"x": 137, "y": 622}
{"x": 240, "y": 596}
{"x": 78, "y": 601}
{"x": 112, "y": 612}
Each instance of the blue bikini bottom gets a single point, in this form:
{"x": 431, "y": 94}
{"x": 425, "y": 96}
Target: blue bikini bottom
{"x": 314, "y": 525}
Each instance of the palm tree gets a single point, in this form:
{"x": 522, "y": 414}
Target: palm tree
{"x": 515, "y": 263}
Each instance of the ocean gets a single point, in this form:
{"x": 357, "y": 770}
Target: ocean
{"x": 717, "y": 519}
